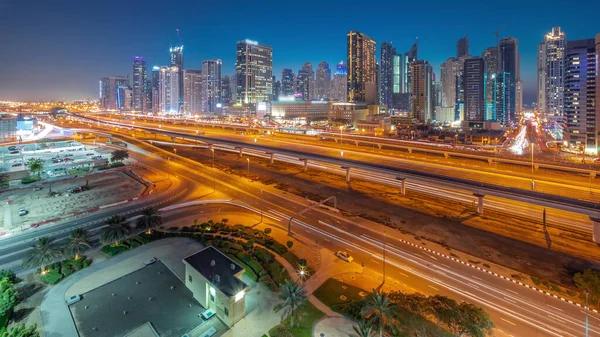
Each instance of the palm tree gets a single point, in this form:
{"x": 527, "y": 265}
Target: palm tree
{"x": 116, "y": 230}
{"x": 43, "y": 252}
{"x": 379, "y": 310}
{"x": 150, "y": 219}
{"x": 77, "y": 242}
{"x": 293, "y": 297}
{"x": 363, "y": 329}
{"x": 36, "y": 165}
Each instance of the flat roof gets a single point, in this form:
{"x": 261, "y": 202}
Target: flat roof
{"x": 218, "y": 269}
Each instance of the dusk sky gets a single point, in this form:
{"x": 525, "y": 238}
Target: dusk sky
{"x": 60, "y": 49}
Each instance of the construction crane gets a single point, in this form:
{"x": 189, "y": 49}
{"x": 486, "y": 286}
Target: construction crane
{"x": 497, "y": 33}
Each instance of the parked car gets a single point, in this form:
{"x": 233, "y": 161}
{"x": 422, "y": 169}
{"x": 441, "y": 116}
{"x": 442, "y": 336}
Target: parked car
{"x": 68, "y": 159}
{"x": 73, "y": 299}
{"x": 344, "y": 256}
{"x": 208, "y": 314}
{"x": 17, "y": 164}
{"x": 150, "y": 261}
{"x": 89, "y": 154}
{"x": 14, "y": 152}
{"x": 23, "y": 212}
{"x": 38, "y": 188}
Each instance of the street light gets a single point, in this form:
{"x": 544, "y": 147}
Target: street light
{"x": 248, "y": 160}
{"x": 341, "y": 135}
{"x": 532, "y": 183}
{"x": 587, "y": 292}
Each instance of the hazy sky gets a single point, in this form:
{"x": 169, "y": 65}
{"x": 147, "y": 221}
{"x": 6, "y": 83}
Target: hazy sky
{"x": 60, "y": 49}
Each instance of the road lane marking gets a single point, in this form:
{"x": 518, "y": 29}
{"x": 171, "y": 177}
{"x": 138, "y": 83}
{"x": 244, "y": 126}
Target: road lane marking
{"x": 432, "y": 287}
{"x": 556, "y": 317}
{"x": 509, "y": 322}
{"x": 512, "y": 291}
{"x": 510, "y": 300}
{"x": 553, "y": 307}
{"x": 375, "y": 261}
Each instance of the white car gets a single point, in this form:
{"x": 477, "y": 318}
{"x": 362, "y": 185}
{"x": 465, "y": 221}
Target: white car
{"x": 73, "y": 299}
{"x": 150, "y": 261}
{"x": 344, "y": 256}
{"x": 208, "y": 314}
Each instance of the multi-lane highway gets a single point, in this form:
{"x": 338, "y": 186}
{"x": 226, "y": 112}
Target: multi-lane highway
{"x": 516, "y": 310}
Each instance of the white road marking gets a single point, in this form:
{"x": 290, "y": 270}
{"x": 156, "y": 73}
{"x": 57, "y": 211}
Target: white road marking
{"x": 509, "y": 322}
{"x": 432, "y": 287}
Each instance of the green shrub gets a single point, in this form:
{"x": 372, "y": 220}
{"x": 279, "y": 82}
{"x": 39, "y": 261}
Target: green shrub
{"x": 267, "y": 231}
{"x": 289, "y": 244}
{"x": 280, "y": 331}
{"x": 52, "y": 276}
{"x": 250, "y": 262}
{"x": 29, "y": 180}
{"x": 351, "y": 310}
{"x": 277, "y": 248}
{"x": 235, "y": 246}
{"x": 111, "y": 250}
{"x": 67, "y": 270}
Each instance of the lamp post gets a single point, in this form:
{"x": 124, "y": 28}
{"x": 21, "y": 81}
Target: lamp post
{"x": 587, "y": 292}
{"x": 532, "y": 183}
{"x": 341, "y": 135}
{"x": 248, "y": 160}
{"x": 261, "y": 209}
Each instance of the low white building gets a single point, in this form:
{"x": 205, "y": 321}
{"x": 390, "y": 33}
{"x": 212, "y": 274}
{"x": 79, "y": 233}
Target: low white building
{"x": 215, "y": 282}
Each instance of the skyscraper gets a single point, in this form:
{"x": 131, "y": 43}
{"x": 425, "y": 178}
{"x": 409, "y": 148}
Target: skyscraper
{"x": 448, "y": 80}
{"x": 155, "y": 89}
{"x": 410, "y": 56}
{"x": 323, "y": 81}
{"x": 276, "y": 89}
{"x": 307, "y": 68}
{"x": 421, "y": 90}
{"x": 139, "y": 83}
{"x": 509, "y": 62}
{"x": 541, "y": 79}
{"x": 176, "y": 60}
{"x": 459, "y": 105}
{"x": 302, "y": 85}
{"x": 597, "y": 123}
{"x": 339, "y": 85}
{"x": 552, "y": 69}
{"x": 362, "y": 61}
{"x": 109, "y": 92}
{"x": 168, "y": 90}
{"x": 502, "y": 98}
{"x": 490, "y": 59}
{"x": 580, "y": 94}
{"x": 386, "y": 73}
{"x": 254, "y": 72}
{"x": 462, "y": 47}
{"x": 192, "y": 91}
{"x": 288, "y": 82}
{"x": 211, "y": 85}
{"x": 226, "y": 90}
{"x": 473, "y": 79}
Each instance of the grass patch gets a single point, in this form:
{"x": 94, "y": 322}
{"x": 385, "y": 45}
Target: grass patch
{"x": 331, "y": 292}
{"x": 304, "y": 327}
{"x": 29, "y": 180}
{"x": 61, "y": 269}
{"x": 112, "y": 250}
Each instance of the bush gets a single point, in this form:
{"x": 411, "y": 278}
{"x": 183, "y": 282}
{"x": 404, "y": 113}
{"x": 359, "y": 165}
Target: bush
{"x": 111, "y": 250}
{"x": 277, "y": 247}
{"x": 289, "y": 244}
{"x": 236, "y": 247}
{"x": 280, "y": 331}
{"x": 351, "y": 310}
{"x": 29, "y": 180}
{"x": 267, "y": 231}
{"x": 247, "y": 245}
{"x": 51, "y": 277}
{"x": 10, "y": 274}
{"x": 250, "y": 262}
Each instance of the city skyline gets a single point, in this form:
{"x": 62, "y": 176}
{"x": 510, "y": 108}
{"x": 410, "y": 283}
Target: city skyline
{"x": 109, "y": 51}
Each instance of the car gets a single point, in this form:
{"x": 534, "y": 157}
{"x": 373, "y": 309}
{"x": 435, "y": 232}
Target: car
{"x": 23, "y": 212}
{"x": 89, "y": 154}
{"x": 17, "y": 164}
{"x": 38, "y": 188}
{"x": 150, "y": 261}
{"x": 14, "y": 152}
{"x": 344, "y": 256}
{"x": 73, "y": 299}
{"x": 68, "y": 159}
{"x": 208, "y": 314}
{"x": 597, "y": 160}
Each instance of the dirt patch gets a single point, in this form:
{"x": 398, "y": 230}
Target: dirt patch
{"x": 518, "y": 244}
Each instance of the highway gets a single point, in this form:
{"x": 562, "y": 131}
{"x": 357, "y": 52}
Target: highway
{"x": 516, "y": 310}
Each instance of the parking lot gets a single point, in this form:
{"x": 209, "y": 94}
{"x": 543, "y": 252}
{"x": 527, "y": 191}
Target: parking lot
{"x": 59, "y": 158}
{"x": 152, "y": 294}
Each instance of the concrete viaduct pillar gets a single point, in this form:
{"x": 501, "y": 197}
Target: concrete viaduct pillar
{"x": 446, "y": 155}
{"x": 596, "y": 229}
{"x": 480, "y": 197}
{"x": 402, "y": 185}
{"x": 347, "y": 168}
{"x": 241, "y": 151}
{"x": 410, "y": 150}
{"x": 272, "y": 154}
{"x": 305, "y": 163}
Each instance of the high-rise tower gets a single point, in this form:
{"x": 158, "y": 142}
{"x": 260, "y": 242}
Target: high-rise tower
{"x": 422, "y": 90}
{"x": 462, "y": 47}
{"x": 288, "y": 81}
{"x": 176, "y": 60}
{"x": 211, "y": 85}
{"x": 362, "y": 63}
{"x": 386, "y": 73}
{"x": 323, "y": 81}
{"x": 339, "y": 85}
{"x": 509, "y": 62}
{"x": 473, "y": 80}
{"x": 254, "y": 72}
{"x": 551, "y": 54}
{"x": 139, "y": 83}
{"x": 192, "y": 91}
